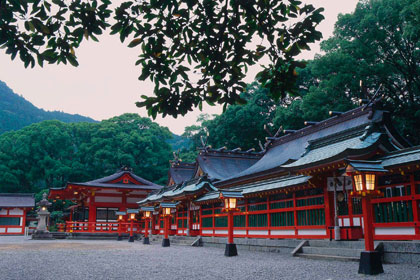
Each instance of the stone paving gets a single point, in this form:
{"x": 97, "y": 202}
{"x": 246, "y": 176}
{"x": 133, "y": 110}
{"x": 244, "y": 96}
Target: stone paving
{"x": 22, "y": 259}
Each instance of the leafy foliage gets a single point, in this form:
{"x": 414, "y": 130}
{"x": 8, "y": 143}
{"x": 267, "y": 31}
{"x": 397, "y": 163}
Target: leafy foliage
{"x": 51, "y": 153}
{"x": 240, "y": 125}
{"x": 194, "y": 51}
{"x": 16, "y": 112}
{"x": 377, "y": 44}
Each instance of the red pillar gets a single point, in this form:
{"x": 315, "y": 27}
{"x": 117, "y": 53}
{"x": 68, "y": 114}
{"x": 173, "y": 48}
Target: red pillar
{"x": 92, "y": 215}
{"x": 131, "y": 227}
{"x": 368, "y": 223}
{"x": 146, "y": 227}
{"x": 166, "y": 226}
{"x": 230, "y": 227}
{"x": 416, "y": 214}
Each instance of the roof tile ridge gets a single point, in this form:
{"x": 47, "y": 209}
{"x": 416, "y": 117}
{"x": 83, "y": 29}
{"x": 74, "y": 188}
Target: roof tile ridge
{"x": 357, "y": 112}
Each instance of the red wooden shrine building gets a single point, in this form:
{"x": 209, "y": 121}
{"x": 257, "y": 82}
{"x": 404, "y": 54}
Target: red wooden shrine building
{"x": 97, "y": 201}
{"x": 293, "y": 187}
{"x": 13, "y": 210}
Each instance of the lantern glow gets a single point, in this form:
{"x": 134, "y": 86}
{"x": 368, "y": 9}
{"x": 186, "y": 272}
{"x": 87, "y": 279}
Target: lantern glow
{"x": 358, "y": 182}
{"x": 370, "y": 182}
{"x": 147, "y": 214}
{"x": 132, "y": 216}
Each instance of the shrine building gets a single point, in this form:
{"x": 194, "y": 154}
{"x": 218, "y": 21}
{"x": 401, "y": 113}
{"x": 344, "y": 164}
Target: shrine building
{"x": 96, "y": 202}
{"x": 293, "y": 185}
{"x": 13, "y": 210}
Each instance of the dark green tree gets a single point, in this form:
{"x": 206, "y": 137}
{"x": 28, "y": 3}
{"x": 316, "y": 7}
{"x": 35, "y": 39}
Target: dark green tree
{"x": 240, "y": 125}
{"x": 377, "y": 44}
{"x": 194, "y": 51}
{"x": 51, "y": 153}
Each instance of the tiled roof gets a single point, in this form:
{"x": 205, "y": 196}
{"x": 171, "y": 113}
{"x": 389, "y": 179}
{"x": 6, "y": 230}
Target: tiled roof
{"x": 291, "y": 147}
{"x": 181, "y": 171}
{"x": 405, "y": 156}
{"x": 17, "y": 200}
{"x": 222, "y": 164}
{"x": 106, "y": 182}
{"x": 186, "y": 188}
{"x": 343, "y": 148}
{"x": 261, "y": 186}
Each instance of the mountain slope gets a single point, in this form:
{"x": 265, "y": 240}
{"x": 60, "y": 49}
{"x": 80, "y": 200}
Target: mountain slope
{"x": 16, "y": 112}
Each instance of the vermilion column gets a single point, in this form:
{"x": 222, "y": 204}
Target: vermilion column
{"x": 368, "y": 223}
{"x": 230, "y": 227}
{"x": 166, "y": 226}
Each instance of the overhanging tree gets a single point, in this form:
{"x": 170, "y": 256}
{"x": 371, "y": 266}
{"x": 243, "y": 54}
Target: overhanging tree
{"x": 194, "y": 51}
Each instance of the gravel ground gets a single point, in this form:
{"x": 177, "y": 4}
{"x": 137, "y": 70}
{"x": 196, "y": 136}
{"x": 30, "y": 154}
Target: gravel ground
{"x": 77, "y": 259}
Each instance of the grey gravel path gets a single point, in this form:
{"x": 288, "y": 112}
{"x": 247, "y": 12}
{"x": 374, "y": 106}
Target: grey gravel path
{"x": 66, "y": 259}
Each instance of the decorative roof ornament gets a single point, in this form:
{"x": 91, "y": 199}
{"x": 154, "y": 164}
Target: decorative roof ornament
{"x": 126, "y": 168}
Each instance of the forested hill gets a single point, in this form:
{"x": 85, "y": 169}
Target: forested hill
{"x": 16, "y": 112}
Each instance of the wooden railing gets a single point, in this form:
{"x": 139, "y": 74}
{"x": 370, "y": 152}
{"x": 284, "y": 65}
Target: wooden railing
{"x": 125, "y": 227}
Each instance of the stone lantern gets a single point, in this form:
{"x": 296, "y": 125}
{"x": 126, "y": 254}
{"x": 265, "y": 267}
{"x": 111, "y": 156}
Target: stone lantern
{"x": 41, "y": 231}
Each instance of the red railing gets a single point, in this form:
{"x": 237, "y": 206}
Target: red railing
{"x": 103, "y": 227}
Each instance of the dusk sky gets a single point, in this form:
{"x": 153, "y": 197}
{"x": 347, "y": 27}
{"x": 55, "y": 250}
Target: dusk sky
{"x": 106, "y": 85}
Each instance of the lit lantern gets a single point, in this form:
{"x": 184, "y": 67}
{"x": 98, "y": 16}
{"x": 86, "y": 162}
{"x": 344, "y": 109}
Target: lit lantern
{"x": 166, "y": 213}
{"x": 147, "y": 216}
{"x": 230, "y": 200}
{"x": 43, "y": 208}
{"x": 364, "y": 174}
{"x": 132, "y": 216}
{"x": 120, "y": 215}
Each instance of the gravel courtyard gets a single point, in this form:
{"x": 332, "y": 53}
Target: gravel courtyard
{"x": 65, "y": 259}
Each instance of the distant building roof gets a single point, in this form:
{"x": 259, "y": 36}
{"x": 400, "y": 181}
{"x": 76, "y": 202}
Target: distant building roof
{"x": 23, "y": 200}
{"x": 181, "y": 171}
{"x": 219, "y": 164}
{"x": 122, "y": 179}
{"x": 116, "y": 181}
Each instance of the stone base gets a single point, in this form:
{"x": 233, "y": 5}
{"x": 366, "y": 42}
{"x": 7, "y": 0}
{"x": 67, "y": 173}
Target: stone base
{"x": 146, "y": 240}
{"x": 131, "y": 238}
{"x": 230, "y": 250}
{"x": 370, "y": 263}
{"x": 166, "y": 242}
{"x": 119, "y": 238}
{"x": 42, "y": 235}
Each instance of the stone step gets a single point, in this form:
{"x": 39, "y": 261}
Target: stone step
{"x": 59, "y": 235}
{"x": 340, "y": 252}
{"x": 328, "y": 257}
{"x": 337, "y": 244}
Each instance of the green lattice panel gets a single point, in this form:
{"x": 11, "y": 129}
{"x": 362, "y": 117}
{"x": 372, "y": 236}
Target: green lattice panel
{"x": 311, "y": 217}
{"x": 207, "y": 222}
{"x": 282, "y": 219}
{"x": 221, "y": 222}
{"x": 257, "y": 207}
{"x": 394, "y": 212}
{"x": 281, "y": 204}
{"x": 239, "y": 221}
{"x": 257, "y": 220}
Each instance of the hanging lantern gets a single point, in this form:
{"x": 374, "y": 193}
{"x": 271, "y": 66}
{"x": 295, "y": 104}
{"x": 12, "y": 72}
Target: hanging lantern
{"x": 120, "y": 215}
{"x": 132, "y": 214}
{"x": 147, "y": 211}
{"x": 364, "y": 174}
{"x": 167, "y": 208}
{"x": 230, "y": 199}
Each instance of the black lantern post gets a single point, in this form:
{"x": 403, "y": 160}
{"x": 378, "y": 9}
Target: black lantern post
{"x": 132, "y": 217}
{"x": 167, "y": 208}
{"x": 120, "y": 215}
{"x": 230, "y": 199}
{"x": 148, "y": 211}
{"x": 364, "y": 175}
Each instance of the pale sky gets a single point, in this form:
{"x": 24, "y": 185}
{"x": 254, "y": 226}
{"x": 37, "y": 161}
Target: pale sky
{"x": 105, "y": 84}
